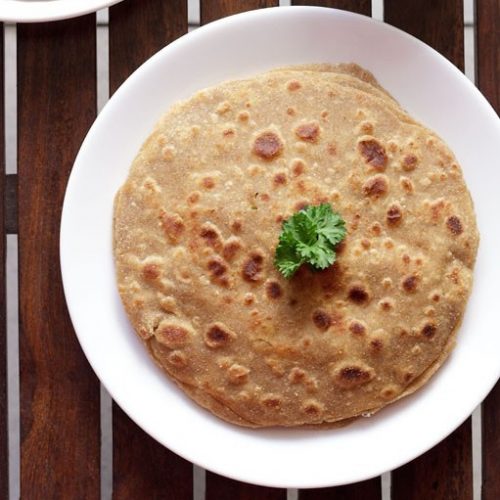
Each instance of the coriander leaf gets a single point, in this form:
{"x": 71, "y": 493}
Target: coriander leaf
{"x": 309, "y": 236}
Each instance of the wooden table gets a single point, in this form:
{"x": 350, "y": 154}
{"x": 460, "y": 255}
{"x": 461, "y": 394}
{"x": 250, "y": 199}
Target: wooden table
{"x": 59, "y": 393}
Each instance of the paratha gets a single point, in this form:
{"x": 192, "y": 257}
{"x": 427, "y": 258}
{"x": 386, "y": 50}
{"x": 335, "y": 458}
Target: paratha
{"x": 197, "y": 222}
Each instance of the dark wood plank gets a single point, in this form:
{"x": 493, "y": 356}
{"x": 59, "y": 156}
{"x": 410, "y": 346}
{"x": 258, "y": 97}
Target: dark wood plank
{"x": 59, "y": 393}
{"x": 142, "y": 468}
{"x": 491, "y": 445}
{"x": 366, "y": 490}
{"x": 488, "y": 81}
{"x": 488, "y": 50}
{"x": 222, "y": 488}
{"x": 219, "y": 487}
{"x": 210, "y": 10}
{"x": 359, "y": 6}
{"x": 446, "y": 470}
{"x": 439, "y": 24}
{"x": 4, "y": 468}
{"x": 442, "y": 473}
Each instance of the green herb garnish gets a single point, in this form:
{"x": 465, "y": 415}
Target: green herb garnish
{"x": 309, "y": 236}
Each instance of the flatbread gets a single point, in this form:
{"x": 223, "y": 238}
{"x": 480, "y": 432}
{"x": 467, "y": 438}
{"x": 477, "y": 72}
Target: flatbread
{"x": 198, "y": 220}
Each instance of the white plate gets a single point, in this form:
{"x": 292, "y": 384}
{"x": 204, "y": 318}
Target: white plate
{"x": 433, "y": 91}
{"x": 31, "y": 11}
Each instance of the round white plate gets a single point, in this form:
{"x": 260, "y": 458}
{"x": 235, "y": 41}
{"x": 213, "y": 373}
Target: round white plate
{"x": 32, "y": 11}
{"x": 434, "y": 92}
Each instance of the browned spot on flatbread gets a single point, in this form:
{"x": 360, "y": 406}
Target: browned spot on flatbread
{"x": 268, "y": 145}
{"x": 218, "y": 336}
{"x": 308, "y": 132}
{"x": 376, "y": 186}
{"x": 454, "y": 225}
{"x": 373, "y": 153}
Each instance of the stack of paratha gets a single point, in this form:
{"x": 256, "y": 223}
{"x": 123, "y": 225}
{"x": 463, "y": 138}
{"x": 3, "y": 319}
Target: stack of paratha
{"x": 198, "y": 220}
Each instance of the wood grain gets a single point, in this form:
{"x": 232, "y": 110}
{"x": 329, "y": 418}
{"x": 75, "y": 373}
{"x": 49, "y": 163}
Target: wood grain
{"x": 59, "y": 393}
{"x": 142, "y": 468}
{"x": 439, "y": 24}
{"x": 210, "y": 10}
{"x": 4, "y": 452}
{"x": 366, "y": 490}
{"x": 488, "y": 50}
{"x": 218, "y": 487}
{"x": 488, "y": 81}
{"x": 359, "y": 6}
{"x": 445, "y": 471}
{"x": 222, "y": 488}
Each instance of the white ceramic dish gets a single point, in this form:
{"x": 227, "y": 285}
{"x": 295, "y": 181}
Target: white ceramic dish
{"x": 31, "y": 11}
{"x": 433, "y": 91}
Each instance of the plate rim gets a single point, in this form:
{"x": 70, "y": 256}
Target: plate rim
{"x": 123, "y": 88}
{"x": 15, "y": 11}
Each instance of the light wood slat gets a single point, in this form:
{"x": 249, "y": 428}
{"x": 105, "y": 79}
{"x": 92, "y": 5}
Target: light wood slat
{"x": 366, "y": 490}
{"x": 10, "y": 204}
{"x": 488, "y": 81}
{"x": 142, "y": 468}
{"x": 359, "y": 6}
{"x": 218, "y": 487}
{"x": 4, "y": 468}
{"x": 222, "y": 488}
{"x": 59, "y": 393}
{"x": 210, "y": 10}
{"x": 445, "y": 471}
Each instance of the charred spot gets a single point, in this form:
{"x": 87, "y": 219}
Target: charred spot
{"x": 210, "y": 235}
{"x": 177, "y": 359}
{"x": 353, "y": 375}
{"x": 171, "y": 335}
{"x": 271, "y": 402}
{"x": 312, "y": 408}
{"x": 301, "y": 205}
{"x": 150, "y": 271}
{"x": 358, "y": 294}
{"x": 409, "y": 162}
{"x": 376, "y": 186}
{"x": 268, "y": 145}
{"x": 308, "y": 132}
{"x": 298, "y": 167}
{"x": 252, "y": 267}
{"x": 218, "y": 336}
{"x": 394, "y": 215}
{"x": 331, "y": 149}
{"x": 273, "y": 290}
{"x": 297, "y": 375}
{"x": 231, "y": 248}
{"x": 357, "y": 328}
{"x": 279, "y": 179}
{"x": 429, "y": 330}
{"x": 216, "y": 267}
{"x": 293, "y": 85}
{"x": 376, "y": 345}
{"x": 454, "y": 225}
{"x": 373, "y": 153}
{"x": 386, "y": 304}
{"x": 406, "y": 184}
{"x": 410, "y": 283}
{"x": 228, "y": 132}
{"x": 236, "y": 226}
{"x": 172, "y": 225}
{"x": 322, "y": 319}
{"x": 208, "y": 182}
